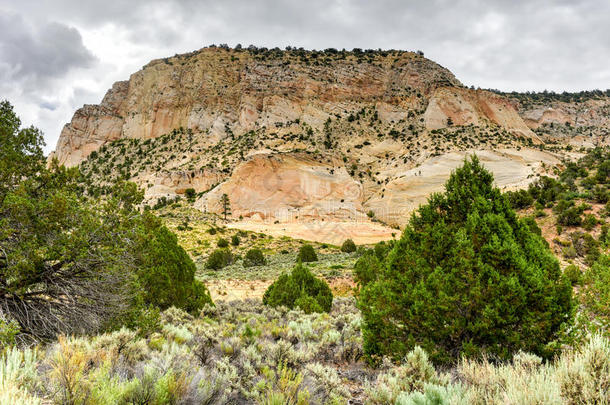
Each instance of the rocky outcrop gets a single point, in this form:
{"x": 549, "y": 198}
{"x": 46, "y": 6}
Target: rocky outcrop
{"x": 217, "y": 91}
{"x": 460, "y": 106}
{"x": 512, "y": 169}
{"x": 301, "y": 136}
{"x": 170, "y": 184}
{"x": 93, "y": 126}
{"x": 288, "y": 187}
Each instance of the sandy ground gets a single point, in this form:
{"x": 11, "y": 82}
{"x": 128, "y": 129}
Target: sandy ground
{"x": 333, "y": 232}
{"x": 230, "y": 290}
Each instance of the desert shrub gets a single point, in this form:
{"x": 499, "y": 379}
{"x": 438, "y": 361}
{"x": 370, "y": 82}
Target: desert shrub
{"x": 573, "y": 274}
{"x": 190, "y": 194}
{"x": 254, "y": 257}
{"x": 466, "y": 248}
{"x": 307, "y": 254}
{"x": 9, "y": 328}
{"x": 434, "y": 395}
{"x": 413, "y": 375}
{"x": 367, "y": 267}
{"x": 585, "y": 246}
{"x": 348, "y": 246}
{"x": 218, "y": 259}
{"x": 299, "y": 289}
{"x": 519, "y": 199}
{"x": 222, "y": 243}
{"x": 545, "y": 190}
{"x": 595, "y": 293}
{"x": 235, "y": 240}
{"x": 589, "y": 222}
{"x": 568, "y": 214}
{"x": 18, "y": 376}
{"x": 600, "y": 195}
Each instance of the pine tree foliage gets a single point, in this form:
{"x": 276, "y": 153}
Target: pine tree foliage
{"x": 307, "y": 254}
{"x": 467, "y": 277}
{"x": 226, "y": 205}
{"x": 300, "y": 289}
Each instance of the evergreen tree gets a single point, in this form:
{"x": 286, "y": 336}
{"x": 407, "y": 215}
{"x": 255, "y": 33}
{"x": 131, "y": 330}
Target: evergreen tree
{"x": 348, "y": 246}
{"x": 467, "y": 277}
{"x": 307, "y": 254}
{"x": 300, "y": 289}
{"x": 254, "y": 257}
{"x": 226, "y": 205}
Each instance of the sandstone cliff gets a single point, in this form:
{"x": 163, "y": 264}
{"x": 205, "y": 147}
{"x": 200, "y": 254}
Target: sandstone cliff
{"x": 301, "y": 135}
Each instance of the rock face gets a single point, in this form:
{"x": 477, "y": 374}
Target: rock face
{"x": 170, "y": 184}
{"x": 300, "y": 135}
{"x": 512, "y": 169}
{"x": 215, "y": 89}
{"x": 93, "y": 126}
{"x": 461, "y": 106}
{"x": 288, "y": 187}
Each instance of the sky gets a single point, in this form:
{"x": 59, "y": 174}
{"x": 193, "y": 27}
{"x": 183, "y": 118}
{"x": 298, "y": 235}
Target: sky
{"x": 57, "y": 55}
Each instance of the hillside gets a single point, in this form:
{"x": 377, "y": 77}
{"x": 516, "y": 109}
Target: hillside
{"x": 297, "y": 136}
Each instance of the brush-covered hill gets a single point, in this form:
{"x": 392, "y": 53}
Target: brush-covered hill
{"x": 295, "y": 136}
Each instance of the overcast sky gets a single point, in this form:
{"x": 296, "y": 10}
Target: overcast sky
{"x": 57, "y": 55}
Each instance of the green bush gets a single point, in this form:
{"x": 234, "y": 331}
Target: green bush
{"x": 520, "y": 199}
{"x": 299, "y": 289}
{"x": 190, "y": 194}
{"x": 166, "y": 276}
{"x": 8, "y": 330}
{"x": 307, "y": 254}
{"x": 222, "y": 243}
{"x": 568, "y": 214}
{"x": 254, "y": 257}
{"x": 573, "y": 274}
{"x": 467, "y": 277}
{"x": 366, "y": 268}
{"x": 235, "y": 240}
{"x": 589, "y": 222}
{"x": 348, "y": 246}
{"x": 595, "y": 294}
{"x": 219, "y": 258}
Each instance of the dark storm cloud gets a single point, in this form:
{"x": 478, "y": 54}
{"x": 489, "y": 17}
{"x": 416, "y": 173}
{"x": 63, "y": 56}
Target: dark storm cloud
{"x": 31, "y": 55}
{"x": 509, "y": 44}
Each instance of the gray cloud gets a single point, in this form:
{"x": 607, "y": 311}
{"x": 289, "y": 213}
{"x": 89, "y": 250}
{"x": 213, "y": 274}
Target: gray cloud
{"x": 33, "y": 55}
{"x": 510, "y": 45}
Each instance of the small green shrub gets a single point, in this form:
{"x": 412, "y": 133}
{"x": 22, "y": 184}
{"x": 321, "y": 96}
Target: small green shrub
{"x": 366, "y": 268}
{"x": 520, "y": 199}
{"x": 254, "y": 257}
{"x": 299, "y": 289}
{"x": 307, "y": 254}
{"x": 8, "y": 330}
{"x": 235, "y": 240}
{"x": 348, "y": 246}
{"x": 573, "y": 274}
{"x": 222, "y": 243}
{"x": 166, "y": 275}
{"x": 219, "y": 258}
{"x": 190, "y": 194}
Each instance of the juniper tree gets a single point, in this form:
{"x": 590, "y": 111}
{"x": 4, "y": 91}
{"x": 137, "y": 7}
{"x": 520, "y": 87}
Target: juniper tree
{"x": 467, "y": 277}
{"x": 226, "y": 205}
